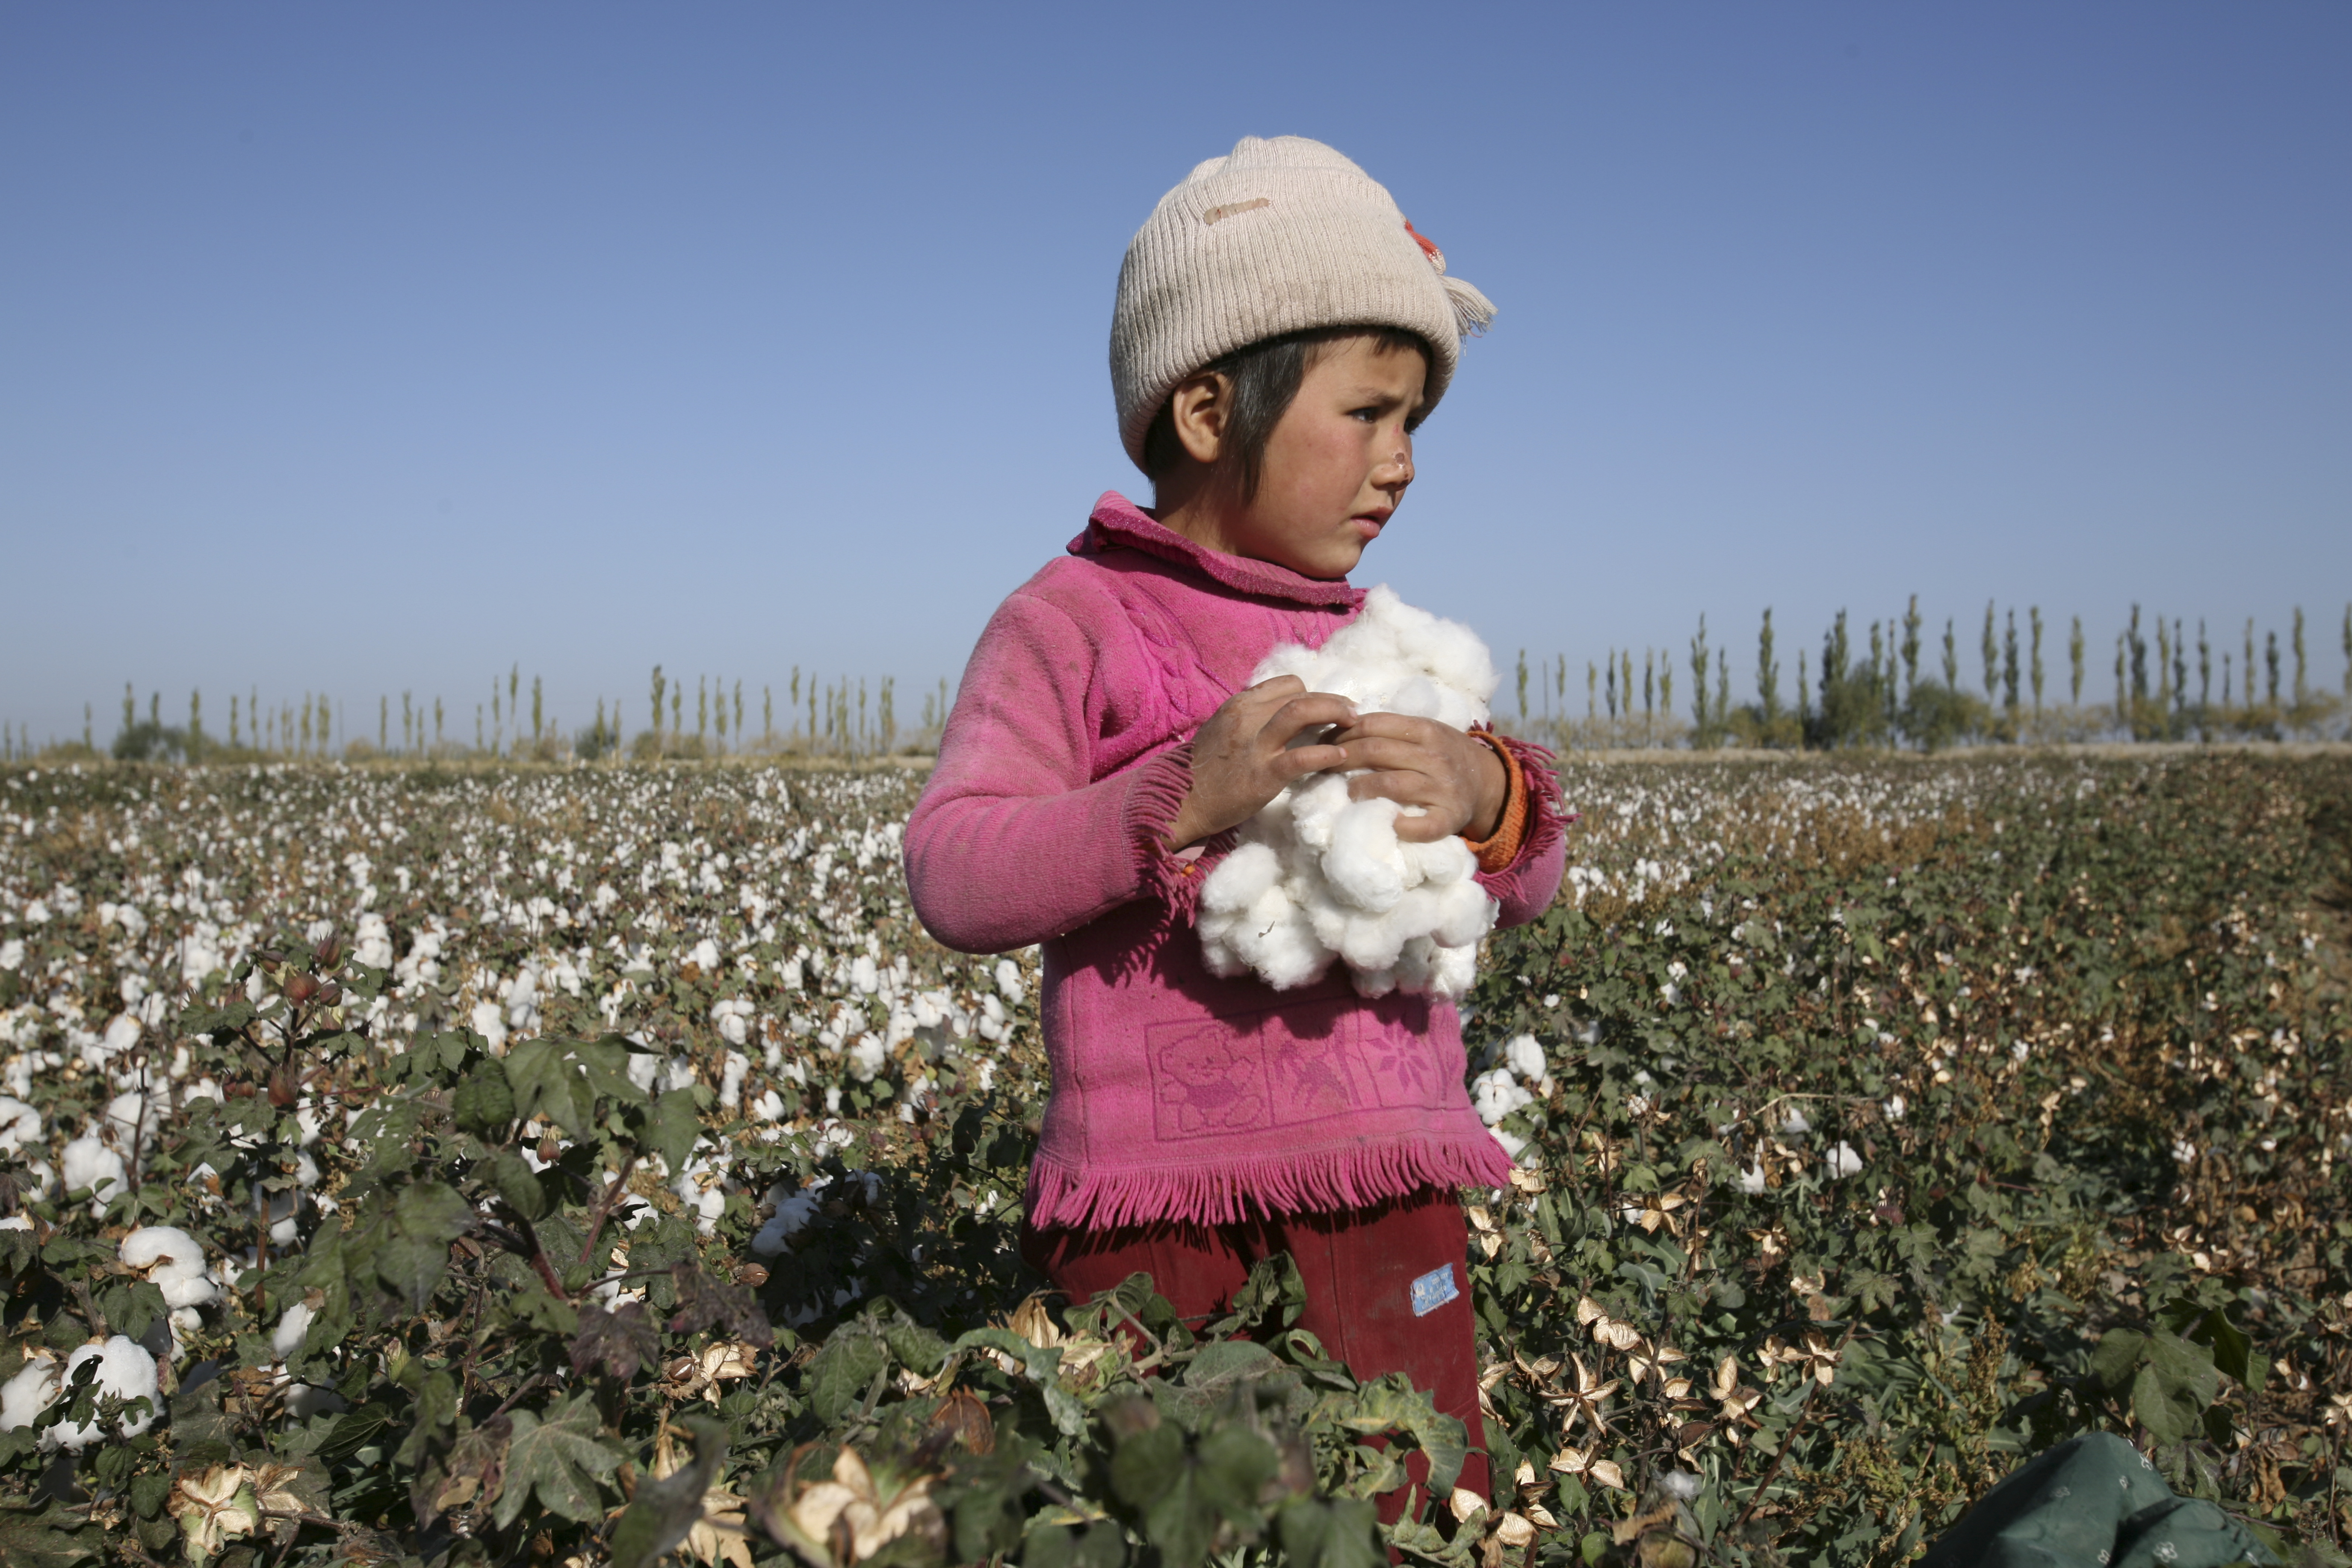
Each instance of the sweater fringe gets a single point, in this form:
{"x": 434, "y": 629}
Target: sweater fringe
{"x": 1171, "y": 880}
{"x": 1233, "y": 1190}
{"x": 1547, "y": 820}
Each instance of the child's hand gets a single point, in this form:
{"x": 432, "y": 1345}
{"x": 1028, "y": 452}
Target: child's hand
{"x": 1242, "y": 757}
{"x": 1458, "y": 781}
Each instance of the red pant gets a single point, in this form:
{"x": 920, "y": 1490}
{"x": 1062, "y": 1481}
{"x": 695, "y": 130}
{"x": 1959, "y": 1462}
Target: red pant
{"x": 1360, "y": 1268}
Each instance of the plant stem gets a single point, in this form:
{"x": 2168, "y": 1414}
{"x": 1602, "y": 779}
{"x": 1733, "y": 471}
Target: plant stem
{"x": 613, "y": 1192}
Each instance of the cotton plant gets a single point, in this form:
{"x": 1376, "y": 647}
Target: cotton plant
{"x": 124, "y": 1372}
{"x": 1519, "y": 1080}
{"x": 1316, "y": 877}
{"x": 173, "y": 1262}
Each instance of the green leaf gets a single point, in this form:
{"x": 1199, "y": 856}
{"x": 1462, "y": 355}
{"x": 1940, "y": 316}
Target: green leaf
{"x": 669, "y": 1127}
{"x": 1341, "y": 1533}
{"x": 2173, "y": 1388}
{"x": 558, "y": 1456}
{"x": 485, "y": 1102}
{"x": 216, "y": 1021}
{"x": 1390, "y": 1403}
{"x": 561, "y": 1081}
{"x": 545, "y": 1081}
{"x": 353, "y": 1430}
{"x": 845, "y": 1368}
{"x": 149, "y": 1493}
{"x": 616, "y": 1343}
{"x": 915, "y": 1346}
{"x": 436, "y": 1408}
{"x": 2117, "y": 1357}
{"x": 1181, "y": 1524}
{"x": 412, "y": 1258}
{"x": 49, "y": 1538}
{"x": 2234, "y": 1352}
{"x": 1236, "y": 1463}
{"x": 200, "y": 1434}
{"x": 525, "y": 1190}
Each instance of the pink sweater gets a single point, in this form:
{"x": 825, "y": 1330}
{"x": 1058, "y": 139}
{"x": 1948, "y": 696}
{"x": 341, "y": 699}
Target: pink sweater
{"x": 1176, "y": 1095}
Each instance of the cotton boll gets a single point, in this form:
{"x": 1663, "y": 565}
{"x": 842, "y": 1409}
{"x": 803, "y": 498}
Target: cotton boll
{"x": 20, "y": 1125}
{"x": 175, "y": 1262}
{"x": 293, "y": 1324}
{"x": 374, "y": 946}
{"x": 1465, "y": 914}
{"x": 489, "y": 1020}
{"x": 1496, "y": 1094}
{"x": 1316, "y": 802}
{"x": 90, "y": 1163}
{"x": 1365, "y": 864}
{"x": 643, "y": 1068}
{"x": 793, "y": 1213}
{"x": 302, "y": 1401}
{"x": 124, "y": 1370}
{"x": 1452, "y": 970}
{"x": 1369, "y": 943}
{"x": 1239, "y": 881}
{"x": 865, "y": 1058}
{"x": 135, "y": 1115}
{"x": 1525, "y": 1057}
{"x": 26, "y": 1394}
{"x": 730, "y": 1080}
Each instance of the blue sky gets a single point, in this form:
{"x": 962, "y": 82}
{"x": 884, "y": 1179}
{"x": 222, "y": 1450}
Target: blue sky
{"x": 378, "y": 348}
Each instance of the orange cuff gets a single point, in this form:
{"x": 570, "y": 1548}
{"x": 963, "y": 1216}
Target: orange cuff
{"x": 1496, "y": 853}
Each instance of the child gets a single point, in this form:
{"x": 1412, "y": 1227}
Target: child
{"x": 1280, "y": 330}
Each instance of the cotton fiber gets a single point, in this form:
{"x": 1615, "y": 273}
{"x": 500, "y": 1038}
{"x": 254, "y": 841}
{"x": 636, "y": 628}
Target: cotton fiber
{"x": 175, "y": 1264}
{"x": 1316, "y": 875}
{"x": 20, "y": 1124}
{"x": 124, "y": 1370}
{"x": 90, "y": 1163}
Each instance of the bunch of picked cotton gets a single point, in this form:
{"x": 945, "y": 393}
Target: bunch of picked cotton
{"x": 1316, "y": 875}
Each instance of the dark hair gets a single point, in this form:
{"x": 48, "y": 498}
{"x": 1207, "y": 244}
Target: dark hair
{"x": 1265, "y": 377}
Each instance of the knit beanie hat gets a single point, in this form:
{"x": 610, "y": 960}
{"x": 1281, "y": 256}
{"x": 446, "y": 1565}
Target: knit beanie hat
{"x": 1279, "y": 236}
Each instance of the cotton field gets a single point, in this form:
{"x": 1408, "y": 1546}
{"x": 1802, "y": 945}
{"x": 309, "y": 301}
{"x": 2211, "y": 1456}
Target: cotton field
{"x": 750, "y": 925}
{"x": 401, "y": 1117}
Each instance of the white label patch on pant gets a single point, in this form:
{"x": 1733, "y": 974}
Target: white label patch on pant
{"x": 1433, "y": 1290}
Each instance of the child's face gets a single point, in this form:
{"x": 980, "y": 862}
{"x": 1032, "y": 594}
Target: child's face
{"x": 1337, "y": 464}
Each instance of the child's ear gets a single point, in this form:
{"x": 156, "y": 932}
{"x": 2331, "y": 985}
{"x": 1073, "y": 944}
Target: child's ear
{"x": 1199, "y": 412}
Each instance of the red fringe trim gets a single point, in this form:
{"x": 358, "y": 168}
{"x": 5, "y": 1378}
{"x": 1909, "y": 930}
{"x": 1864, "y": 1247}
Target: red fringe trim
{"x": 1548, "y": 818}
{"x": 1230, "y": 1190}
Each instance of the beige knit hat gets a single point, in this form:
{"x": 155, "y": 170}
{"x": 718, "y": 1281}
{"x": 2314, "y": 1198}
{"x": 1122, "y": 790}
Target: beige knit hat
{"x": 1279, "y": 236}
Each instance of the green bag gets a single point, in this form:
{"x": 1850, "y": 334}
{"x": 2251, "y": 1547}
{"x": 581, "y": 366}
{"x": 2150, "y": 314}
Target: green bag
{"x": 2094, "y": 1502}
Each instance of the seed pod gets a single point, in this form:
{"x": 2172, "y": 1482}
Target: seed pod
{"x": 750, "y": 1274}
{"x": 329, "y": 994}
{"x": 548, "y": 1151}
{"x": 328, "y": 952}
{"x": 284, "y": 1091}
{"x": 301, "y": 988}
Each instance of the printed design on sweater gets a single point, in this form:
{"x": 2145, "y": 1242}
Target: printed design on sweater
{"x": 1284, "y": 1066}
